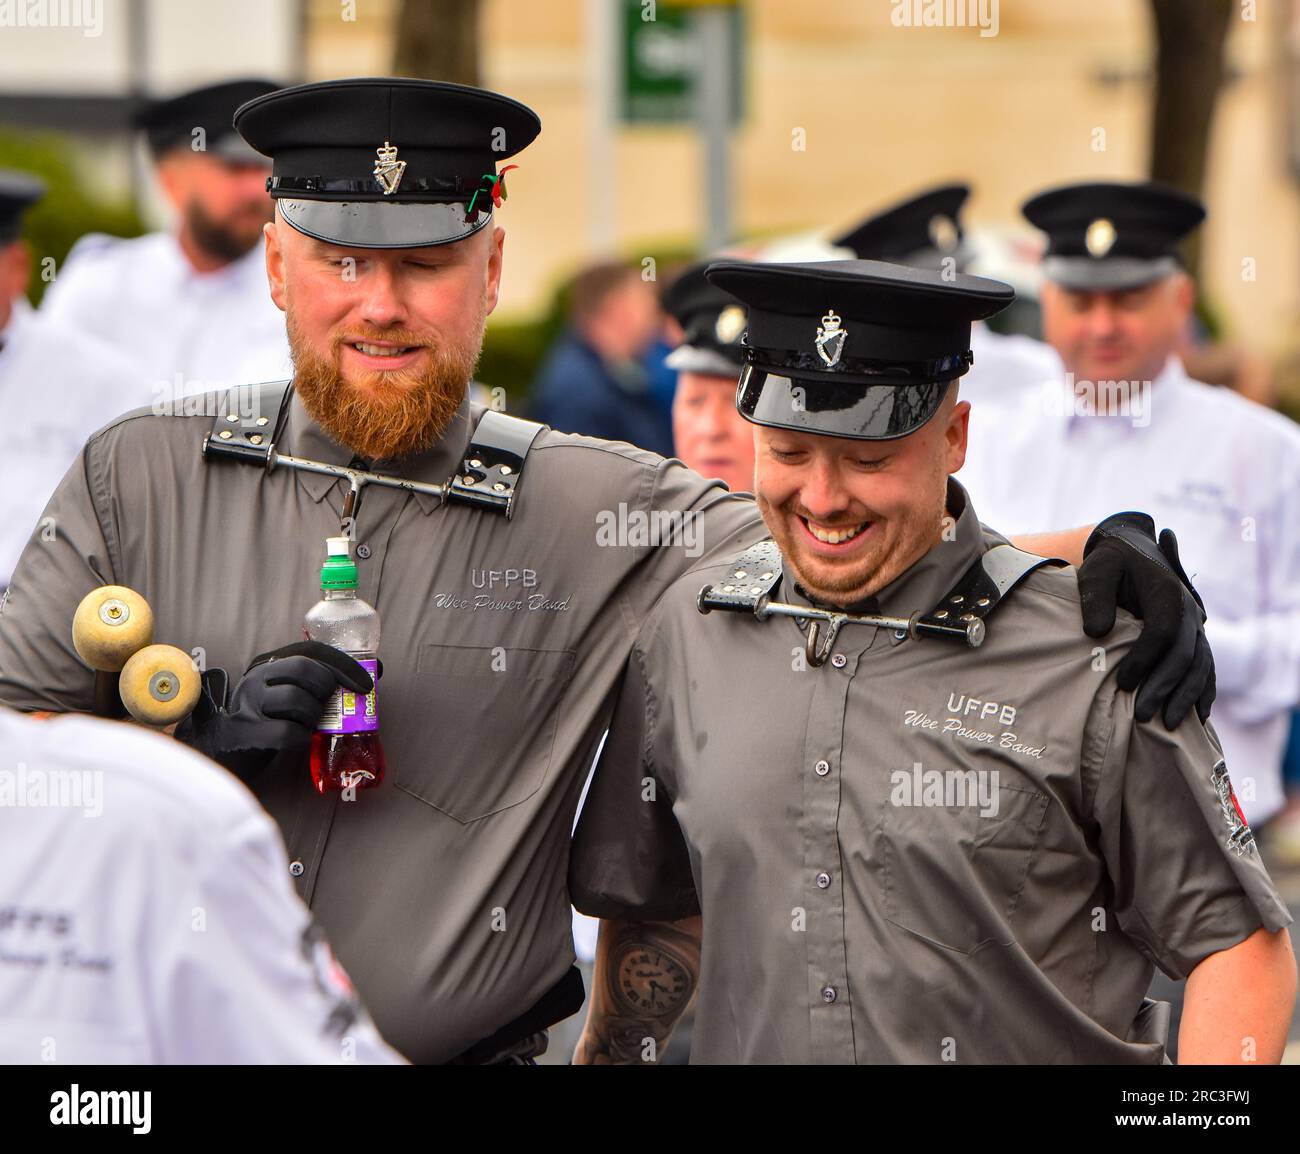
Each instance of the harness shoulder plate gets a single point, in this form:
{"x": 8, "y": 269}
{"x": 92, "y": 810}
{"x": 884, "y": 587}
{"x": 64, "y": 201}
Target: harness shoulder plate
{"x": 494, "y": 462}
{"x": 985, "y": 584}
{"x": 748, "y": 581}
{"x": 247, "y": 421}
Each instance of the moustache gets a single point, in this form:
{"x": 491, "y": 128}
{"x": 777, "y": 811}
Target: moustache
{"x": 868, "y": 515}
{"x": 402, "y": 337}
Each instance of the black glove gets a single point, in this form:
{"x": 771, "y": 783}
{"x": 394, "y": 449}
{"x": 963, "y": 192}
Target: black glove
{"x": 1124, "y": 567}
{"x": 275, "y": 707}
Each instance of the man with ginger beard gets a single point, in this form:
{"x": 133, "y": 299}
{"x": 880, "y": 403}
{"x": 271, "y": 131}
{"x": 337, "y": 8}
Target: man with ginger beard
{"x": 510, "y": 583}
{"x": 503, "y": 637}
{"x": 789, "y": 838}
{"x": 187, "y": 305}
{"x": 384, "y": 413}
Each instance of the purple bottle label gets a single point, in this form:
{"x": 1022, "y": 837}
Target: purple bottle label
{"x": 348, "y": 712}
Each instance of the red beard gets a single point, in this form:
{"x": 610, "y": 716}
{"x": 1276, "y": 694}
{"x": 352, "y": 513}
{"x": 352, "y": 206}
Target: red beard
{"x": 384, "y": 414}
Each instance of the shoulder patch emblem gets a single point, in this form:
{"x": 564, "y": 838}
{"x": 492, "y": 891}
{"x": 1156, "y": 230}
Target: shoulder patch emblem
{"x": 1240, "y": 836}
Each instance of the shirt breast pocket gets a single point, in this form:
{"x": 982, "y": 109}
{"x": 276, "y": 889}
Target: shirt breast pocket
{"x": 490, "y": 715}
{"x": 954, "y": 874}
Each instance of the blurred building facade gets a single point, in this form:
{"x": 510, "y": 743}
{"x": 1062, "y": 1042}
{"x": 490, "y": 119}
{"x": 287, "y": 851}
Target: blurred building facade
{"x": 843, "y": 112}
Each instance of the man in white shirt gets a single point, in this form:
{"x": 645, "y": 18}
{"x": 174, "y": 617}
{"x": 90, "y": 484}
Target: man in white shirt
{"x": 188, "y": 305}
{"x": 57, "y": 386}
{"x": 147, "y": 915}
{"x": 1126, "y": 427}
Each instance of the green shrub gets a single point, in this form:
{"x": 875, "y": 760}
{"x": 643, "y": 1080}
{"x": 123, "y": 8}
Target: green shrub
{"x": 69, "y": 210}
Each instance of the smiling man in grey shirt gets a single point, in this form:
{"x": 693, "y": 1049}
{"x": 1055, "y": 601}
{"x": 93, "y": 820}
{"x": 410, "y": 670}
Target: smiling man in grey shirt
{"x": 868, "y": 848}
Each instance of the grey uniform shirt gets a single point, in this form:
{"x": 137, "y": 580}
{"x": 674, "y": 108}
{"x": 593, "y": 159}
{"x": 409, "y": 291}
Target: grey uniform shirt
{"x": 443, "y": 891}
{"x": 856, "y": 907}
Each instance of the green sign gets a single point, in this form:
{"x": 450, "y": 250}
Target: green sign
{"x": 661, "y": 56}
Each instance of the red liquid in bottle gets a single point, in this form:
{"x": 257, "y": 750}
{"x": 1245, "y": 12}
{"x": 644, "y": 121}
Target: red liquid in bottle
{"x": 346, "y": 753}
{"x": 346, "y": 760}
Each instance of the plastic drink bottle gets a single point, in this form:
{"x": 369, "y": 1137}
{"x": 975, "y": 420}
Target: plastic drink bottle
{"x": 346, "y": 752}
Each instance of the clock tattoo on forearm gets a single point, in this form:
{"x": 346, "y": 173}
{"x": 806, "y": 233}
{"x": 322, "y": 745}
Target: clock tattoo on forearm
{"x": 651, "y": 980}
{"x": 646, "y": 975}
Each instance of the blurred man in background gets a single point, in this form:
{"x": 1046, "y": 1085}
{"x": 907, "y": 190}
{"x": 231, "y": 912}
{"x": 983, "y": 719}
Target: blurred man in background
{"x": 188, "y": 305}
{"x": 57, "y": 385}
{"x": 709, "y": 435}
{"x": 594, "y": 379}
{"x": 1126, "y": 427}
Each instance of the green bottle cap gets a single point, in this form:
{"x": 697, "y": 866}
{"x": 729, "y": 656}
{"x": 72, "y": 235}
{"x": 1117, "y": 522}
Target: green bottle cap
{"x": 339, "y": 570}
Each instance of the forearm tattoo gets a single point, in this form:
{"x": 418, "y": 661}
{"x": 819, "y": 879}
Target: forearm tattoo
{"x": 646, "y": 975}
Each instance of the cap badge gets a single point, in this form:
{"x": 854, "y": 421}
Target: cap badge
{"x": 943, "y": 233}
{"x": 1100, "y": 237}
{"x": 830, "y": 339}
{"x": 729, "y": 325}
{"x": 388, "y": 169}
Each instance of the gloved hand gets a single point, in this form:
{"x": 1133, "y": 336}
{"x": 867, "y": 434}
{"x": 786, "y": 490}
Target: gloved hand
{"x": 1125, "y": 567}
{"x": 275, "y": 707}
